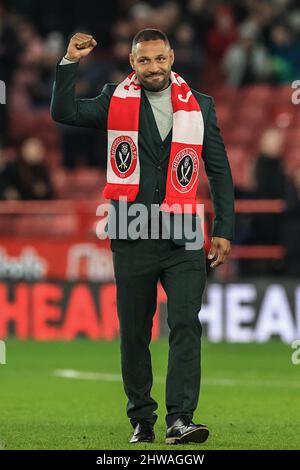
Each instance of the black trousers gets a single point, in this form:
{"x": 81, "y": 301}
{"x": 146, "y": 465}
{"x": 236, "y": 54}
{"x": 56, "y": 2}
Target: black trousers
{"x": 138, "y": 266}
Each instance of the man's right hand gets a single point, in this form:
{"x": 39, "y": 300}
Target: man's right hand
{"x": 80, "y": 45}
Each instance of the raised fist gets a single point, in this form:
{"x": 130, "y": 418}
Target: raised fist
{"x": 80, "y": 45}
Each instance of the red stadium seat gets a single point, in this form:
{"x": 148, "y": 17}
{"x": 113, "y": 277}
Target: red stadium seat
{"x": 293, "y": 137}
{"x": 225, "y": 95}
{"x": 292, "y": 159}
{"x": 257, "y": 94}
{"x": 241, "y": 162}
{"x": 252, "y": 115}
{"x": 54, "y": 225}
{"x": 242, "y": 135}
{"x": 224, "y": 115}
{"x": 284, "y": 114}
{"x": 283, "y": 94}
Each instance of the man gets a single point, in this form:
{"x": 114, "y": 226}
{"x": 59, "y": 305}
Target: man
{"x": 157, "y": 130}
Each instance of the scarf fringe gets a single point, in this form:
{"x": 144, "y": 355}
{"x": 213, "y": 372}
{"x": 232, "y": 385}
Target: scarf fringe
{"x": 117, "y": 191}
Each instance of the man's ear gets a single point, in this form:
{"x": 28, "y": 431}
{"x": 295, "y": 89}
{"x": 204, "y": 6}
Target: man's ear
{"x": 131, "y": 61}
{"x": 172, "y": 54}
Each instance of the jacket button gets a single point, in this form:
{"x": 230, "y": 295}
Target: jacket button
{"x": 159, "y": 167}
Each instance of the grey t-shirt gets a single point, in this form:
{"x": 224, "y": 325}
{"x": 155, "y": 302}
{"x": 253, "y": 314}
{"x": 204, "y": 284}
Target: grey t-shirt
{"x": 162, "y": 109}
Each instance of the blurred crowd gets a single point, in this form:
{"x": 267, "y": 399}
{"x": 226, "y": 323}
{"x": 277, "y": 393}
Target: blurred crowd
{"x": 234, "y": 45}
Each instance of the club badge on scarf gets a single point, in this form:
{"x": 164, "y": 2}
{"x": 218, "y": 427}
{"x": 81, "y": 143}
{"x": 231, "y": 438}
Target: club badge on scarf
{"x": 123, "y": 166}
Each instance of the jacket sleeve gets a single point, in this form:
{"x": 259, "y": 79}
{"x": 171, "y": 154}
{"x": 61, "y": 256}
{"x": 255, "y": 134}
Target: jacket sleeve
{"x": 219, "y": 176}
{"x": 66, "y": 109}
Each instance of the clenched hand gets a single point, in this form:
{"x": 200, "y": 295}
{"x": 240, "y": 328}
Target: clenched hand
{"x": 219, "y": 250}
{"x": 80, "y": 45}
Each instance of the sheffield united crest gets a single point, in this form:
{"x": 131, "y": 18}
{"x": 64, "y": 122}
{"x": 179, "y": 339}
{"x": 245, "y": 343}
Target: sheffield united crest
{"x": 123, "y": 156}
{"x": 185, "y": 170}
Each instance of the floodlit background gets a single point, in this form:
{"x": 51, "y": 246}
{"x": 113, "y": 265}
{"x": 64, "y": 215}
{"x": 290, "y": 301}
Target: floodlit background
{"x": 56, "y": 277}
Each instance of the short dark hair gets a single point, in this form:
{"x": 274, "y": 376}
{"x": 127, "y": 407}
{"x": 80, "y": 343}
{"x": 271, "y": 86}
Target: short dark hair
{"x": 149, "y": 34}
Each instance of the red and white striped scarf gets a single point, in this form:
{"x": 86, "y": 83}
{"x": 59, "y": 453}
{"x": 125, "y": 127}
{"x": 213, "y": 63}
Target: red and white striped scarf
{"x": 123, "y": 166}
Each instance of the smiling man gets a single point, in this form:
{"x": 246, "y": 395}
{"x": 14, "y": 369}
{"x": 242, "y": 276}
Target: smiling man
{"x": 158, "y": 130}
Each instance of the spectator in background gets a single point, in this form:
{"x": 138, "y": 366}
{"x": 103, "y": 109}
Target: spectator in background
{"x": 189, "y": 55}
{"x": 200, "y": 15}
{"x": 269, "y": 184}
{"x": 285, "y": 55}
{"x": 3, "y": 175}
{"x": 141, "y": 15}
{"x": 9, "y": 46}
{"x": 166, "y": 17}
{"x": 122, "y": 30}
{"x": 223, "y": 34}
{"x": 9, "y": 50}
{"x": 292, "y": 225}
{"x": 119, "y": 66}
{"x": 39, "y": 63}
{"x": 246, "y": 61}
{"x": 27, "y": 177}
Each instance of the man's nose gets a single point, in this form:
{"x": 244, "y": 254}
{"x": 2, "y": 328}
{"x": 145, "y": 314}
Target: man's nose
{"x": 153, "y": 68}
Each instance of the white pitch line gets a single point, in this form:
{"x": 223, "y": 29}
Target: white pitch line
{"x": 105, "y": 377}
{"x": 75, "y": 374}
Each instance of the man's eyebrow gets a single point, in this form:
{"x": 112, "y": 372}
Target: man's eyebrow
{"x": 146, "y": 57}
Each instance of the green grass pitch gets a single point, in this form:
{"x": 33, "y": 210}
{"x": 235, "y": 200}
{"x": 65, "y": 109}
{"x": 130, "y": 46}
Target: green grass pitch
{"x": 250, "y": 397}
